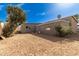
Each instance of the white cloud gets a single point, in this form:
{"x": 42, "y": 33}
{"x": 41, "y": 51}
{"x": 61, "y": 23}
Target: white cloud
{"x": 27, "y": 11}
{"x": 65, "y": 5}
{"x": 20, "y": 5}
{"x": 1, "y": 7}
{"x": 42, "y": 14}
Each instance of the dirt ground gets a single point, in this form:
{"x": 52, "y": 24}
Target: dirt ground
{"x": 39, "y": 45}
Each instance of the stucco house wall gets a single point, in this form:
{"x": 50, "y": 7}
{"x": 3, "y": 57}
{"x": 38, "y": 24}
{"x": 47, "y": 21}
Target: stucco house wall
{"x": 49, "y": 27}
{"x": 28, "y": 27}
{"x": 74, "y": 24}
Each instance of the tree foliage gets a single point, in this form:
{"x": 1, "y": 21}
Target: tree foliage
{"x": 16, "y": 17}
{"x": 62, "y": 32}
{"x": 59, "y": 16}
{"x": 76, "y": 16}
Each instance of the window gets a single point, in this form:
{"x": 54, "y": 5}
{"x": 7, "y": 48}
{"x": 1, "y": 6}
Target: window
{"x": 48, "y": 29}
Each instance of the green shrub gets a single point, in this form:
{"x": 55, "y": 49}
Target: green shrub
{"x": 62, "y": 32}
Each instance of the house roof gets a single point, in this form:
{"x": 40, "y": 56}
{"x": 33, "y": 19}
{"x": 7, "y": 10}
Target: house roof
{"x": 34, "y": 24}
{"x": 75, "y": 18}
{"x": 62, "y": 19}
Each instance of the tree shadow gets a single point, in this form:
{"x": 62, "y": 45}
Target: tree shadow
{"x": 1, "y": 38}
{"x": 48, "y": 37}
{"x": 70, "y": 38}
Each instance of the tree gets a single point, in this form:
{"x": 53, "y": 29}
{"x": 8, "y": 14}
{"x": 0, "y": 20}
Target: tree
{"x": 62, "y": 32}
{"x": 59, "y": 16}
{"x": 77, "y": 16}
{"x": 16, "y": 17}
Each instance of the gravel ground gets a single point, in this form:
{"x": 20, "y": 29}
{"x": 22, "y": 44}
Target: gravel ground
{"x": 35, "y": 45}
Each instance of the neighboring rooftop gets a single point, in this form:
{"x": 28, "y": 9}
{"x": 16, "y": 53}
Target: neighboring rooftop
{"x": 61, "y": 19}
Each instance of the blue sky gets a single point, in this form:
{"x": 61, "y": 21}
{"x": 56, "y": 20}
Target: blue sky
{"x": 42, "y": 12}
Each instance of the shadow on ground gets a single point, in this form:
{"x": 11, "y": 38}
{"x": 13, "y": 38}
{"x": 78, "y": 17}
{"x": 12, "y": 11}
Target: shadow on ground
{"x": 71, "y": 38}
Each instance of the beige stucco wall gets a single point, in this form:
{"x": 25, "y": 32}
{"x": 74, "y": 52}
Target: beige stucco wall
{"x": 1, "y": 27}
{"x": 31, "y": 28}
{"x": 23, "y": 28}
{"x": 49, "y": 28}
{"x": 73, "y": 25}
